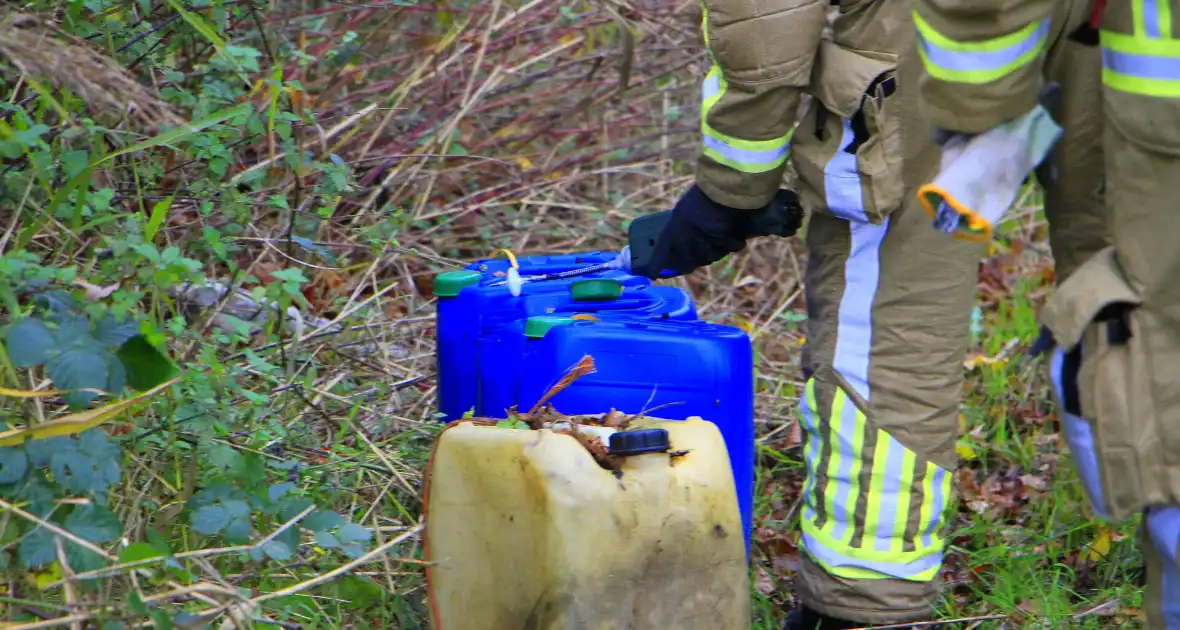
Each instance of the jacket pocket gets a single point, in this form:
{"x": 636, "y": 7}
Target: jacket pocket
{"x": 1108, "y": 413}
{"x": 848, "y": 146}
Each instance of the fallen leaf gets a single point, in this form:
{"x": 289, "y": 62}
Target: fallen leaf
{"x": 978, "y": 360}
{"x": 763, "y": 583}
{"x": 614, "y": 419}
{"x": 93, "y": 292}
{"x": 1034, "y": 482}
{"x": 965, "y": 451}
{"x": 1099, "y": 548}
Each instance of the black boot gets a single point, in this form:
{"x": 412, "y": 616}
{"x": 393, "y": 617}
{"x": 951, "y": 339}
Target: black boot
{"x": 804, "y": 618}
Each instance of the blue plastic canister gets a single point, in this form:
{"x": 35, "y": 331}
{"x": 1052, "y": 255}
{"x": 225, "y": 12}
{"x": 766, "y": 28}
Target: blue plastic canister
{"x": 467, "y": 305}
{"x": 502, "y": 344}
{"x": 673, "y": 369}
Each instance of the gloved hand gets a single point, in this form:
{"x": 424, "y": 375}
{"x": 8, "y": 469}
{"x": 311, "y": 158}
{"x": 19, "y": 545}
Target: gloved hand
{"x": 700, "y": 232}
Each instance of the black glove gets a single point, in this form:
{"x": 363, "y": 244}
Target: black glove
{"x": 700, "y": 232}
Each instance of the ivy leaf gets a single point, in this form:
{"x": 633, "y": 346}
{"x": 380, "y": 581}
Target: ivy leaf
{"x": 38, "y": 495}
{"x": 277, "y": 550}
{"x": 40, "y": 451}
{"x": 322, "y": 521}
{"x": 223, "y": 457}
{"x": 327, "y": 540}
{"x": 76, "y": 369}
{"x": 83, "y": 559}
{"x": 214, "y": 493}
{"x": 210, "y": 519}
{"x": 14, "y": 463}
{"x": 94, "y": 523}
{"x": 277, "y": 491}
{"x": 352, "y": 533}
{"x": 292, "y": 506}
{"x": 75, "y": 471}
{"x": 57, "y": 302}
{"x": 146, "y": 366}
{"x": 73, "y": 331}
{"x": 114, "y": 333}
{"x": 238, "y": 532}
{"x": 29, "y": 343}
{"x": 75, "y": 162}
{"x": 139, "y": 551}
{"x": 96, "y": 443}
{"x": 237, "y": 508}
{"x": 37, "y": 549}
{"x": 289, "y": 537}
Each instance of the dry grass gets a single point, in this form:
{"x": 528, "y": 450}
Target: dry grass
{"x": 43, "y": 53}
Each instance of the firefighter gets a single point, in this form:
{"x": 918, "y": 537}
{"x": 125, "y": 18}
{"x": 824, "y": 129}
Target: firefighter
{"x": 1116, "y": 319}
{"x": 888, "y": 298}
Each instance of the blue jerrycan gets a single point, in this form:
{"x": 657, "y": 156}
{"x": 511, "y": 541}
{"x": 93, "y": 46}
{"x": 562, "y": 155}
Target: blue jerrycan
{"x": 467, "y": 305}
{"x": 671, "y": 369}
{"x": 502, "y": 344}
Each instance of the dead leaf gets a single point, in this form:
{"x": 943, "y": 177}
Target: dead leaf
{"x": 614, "y": 419}
{"x": 93, "y": 292}
{"x": 1099, "y": 548}
{"x": 763, "y": 583}
{"x": 1035, "y": 482}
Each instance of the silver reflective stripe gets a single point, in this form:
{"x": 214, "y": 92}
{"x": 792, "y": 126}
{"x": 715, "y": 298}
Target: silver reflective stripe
{"x": 1142, "y": 66}
{"x": 1080, "y": 438}
{"x": 983, "y": 60}
{"x": 894, "y": 470}
{"x": 770, "y": 159}
{"x": 843, "y": 193}
{"x": 1163, "y": 527}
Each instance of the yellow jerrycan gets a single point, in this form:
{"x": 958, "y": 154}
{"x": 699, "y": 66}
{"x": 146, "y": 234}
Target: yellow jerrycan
{"x": 548, "y": 529}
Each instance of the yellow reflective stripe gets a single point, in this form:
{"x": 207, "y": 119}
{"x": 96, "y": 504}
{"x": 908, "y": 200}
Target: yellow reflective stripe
{"x": 1141, "y": 65}
{"x": 876, "y": 491}
{"x": 838, "y": 456}
{"x": 904, "y": 499}
{"x": 747, "y": 156}
{"x": 978, "y": 62}
{"x": 892, "y": 497}
{"x": 1152, "y": 18}
{"x": 844, "y": 468}
{"x": 705, "y": 25}
{"x": 936, "y": 489}
{"x": 811, "y": 448}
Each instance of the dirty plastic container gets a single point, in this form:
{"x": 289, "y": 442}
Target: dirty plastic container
{"x": 502, "y": 344}
{"x": 466, "y": 305}
{"x": 524, "y": 529}
{"x": 676, "y": 369}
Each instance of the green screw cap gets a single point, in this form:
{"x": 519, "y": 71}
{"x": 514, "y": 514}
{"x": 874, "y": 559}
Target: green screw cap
{"x": 597, "y": 290}
{"x": 449, "y": 284}
{"x": 536, "y": 327}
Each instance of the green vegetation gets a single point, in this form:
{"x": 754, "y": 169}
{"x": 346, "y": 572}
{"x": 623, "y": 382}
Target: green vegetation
{"x": 219, "y": 221}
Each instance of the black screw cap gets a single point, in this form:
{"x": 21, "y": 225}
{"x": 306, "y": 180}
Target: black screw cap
{"x": 640, "y": 442}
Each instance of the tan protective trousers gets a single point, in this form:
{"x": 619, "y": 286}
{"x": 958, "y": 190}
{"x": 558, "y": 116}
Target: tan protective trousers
{"x": 1117, "y": 318}
{"x": 889, "y": 303}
